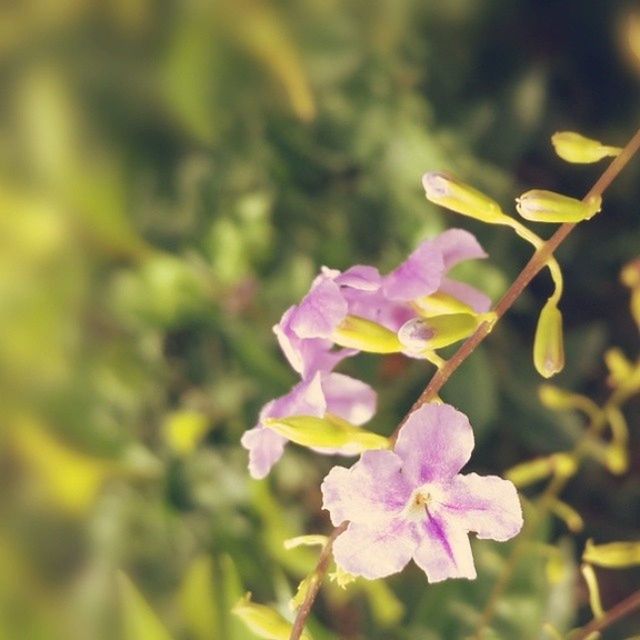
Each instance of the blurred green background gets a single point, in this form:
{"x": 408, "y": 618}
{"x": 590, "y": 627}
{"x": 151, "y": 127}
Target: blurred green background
{"x": 172, "y": 175}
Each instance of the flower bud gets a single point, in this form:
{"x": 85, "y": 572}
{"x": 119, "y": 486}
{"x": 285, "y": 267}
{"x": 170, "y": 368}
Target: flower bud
{"x": 591, "y": 580}
{"x": 446, "y": 191}
{"x": 419, "y": 335}
{"x": 615, "y": 555}
{"x": 329, "y": 432}
{"x": 548, "y": 345}
{"x": 359, "y": 333}
{"x": 576, "y": 148}
{"x": 538, "y": 205}
{"x": 439, "y": 303}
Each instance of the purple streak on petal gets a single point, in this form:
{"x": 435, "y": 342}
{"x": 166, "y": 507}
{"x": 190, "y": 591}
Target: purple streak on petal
{"x": 478, "y": 301}
{"x": 372, "y": 491}
{"x": 419, "y": 275}
{"x": 457, "y": 245}
{"x": 361, "y": 277}
{"x": 487, "y": 505}
{"x": 444, "y": 551}
{"x": 320, "y": 311}
{"x": 434, "y": 443}
{"x": 375, "y": 552}
{"x": 349, "y": 398}
{"x": 265, "y": 449}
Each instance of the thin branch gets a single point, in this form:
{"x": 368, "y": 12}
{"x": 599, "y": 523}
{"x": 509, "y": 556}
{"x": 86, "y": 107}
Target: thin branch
{"x": 622, "y": 609}
{"x": 532, "y": 268}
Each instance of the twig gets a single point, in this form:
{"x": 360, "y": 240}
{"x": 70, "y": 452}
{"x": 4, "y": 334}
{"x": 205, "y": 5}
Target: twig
{"x": 619, "y": 611}
{"x": 532, "y": 268}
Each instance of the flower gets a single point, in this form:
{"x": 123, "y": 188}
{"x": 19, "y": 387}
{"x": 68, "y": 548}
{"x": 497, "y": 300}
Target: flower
{"x": 323, "y": 393}
{"x": 389, "y": 301}
{"x": 413, "y": 502}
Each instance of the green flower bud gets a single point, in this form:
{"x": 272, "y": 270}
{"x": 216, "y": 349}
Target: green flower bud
{"x": 548, "y": 346}
{"x": 576, "y": 148}
{"x": 365, "y": 335}
{"x": 538, "y": 205}
{"x": 419, "y": 335}
{"x": 448, "y": 192}
{"x": 330, "y": 432}
{"x": 615, "y": 555}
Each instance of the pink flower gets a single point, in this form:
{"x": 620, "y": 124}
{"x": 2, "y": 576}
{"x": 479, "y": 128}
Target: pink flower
{"x": 413, "y": 502}
{"x": 322, "y": 393}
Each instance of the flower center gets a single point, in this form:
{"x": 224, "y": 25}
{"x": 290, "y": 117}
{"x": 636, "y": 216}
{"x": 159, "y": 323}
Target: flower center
{"x": 421, "y": 500}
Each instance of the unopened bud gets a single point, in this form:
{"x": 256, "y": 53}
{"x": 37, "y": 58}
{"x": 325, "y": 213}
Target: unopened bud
{"x": 630, "y": 274}
{"x": 538, "y": 205}
{"x": 365, "y": 335}
{"x": 329, "y": 432}
{"x": 264, "y": 621}
{"x": 614, "y": 555}
{"x": 548, "y": 346}
{"x": 419, "y": 335}
{"x": 576, "y": 148}
{"x": 446, "y": 191}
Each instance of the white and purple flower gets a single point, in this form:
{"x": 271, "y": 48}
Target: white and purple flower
{"x": 413, "y": 502}
{"x": 323, "y": 393}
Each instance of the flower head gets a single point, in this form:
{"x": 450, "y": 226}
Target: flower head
{"x": 413, "y": 502}
{"x": 333, "y": 393}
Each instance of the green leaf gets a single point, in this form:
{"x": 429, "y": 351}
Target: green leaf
{"x": 138, "y": 619}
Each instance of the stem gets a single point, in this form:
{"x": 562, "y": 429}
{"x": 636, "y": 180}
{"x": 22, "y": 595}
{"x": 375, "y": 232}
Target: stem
{"x": 619, "y": 611}
{"x": 537, "y": 262}
{"x": 320, "y": 571}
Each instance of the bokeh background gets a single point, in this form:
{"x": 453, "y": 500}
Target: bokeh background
{"x": 172, "y": 175}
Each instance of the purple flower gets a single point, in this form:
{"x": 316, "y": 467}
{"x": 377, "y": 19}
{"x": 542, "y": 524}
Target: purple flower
{"x": 413, "y": 502}
{"x": 322, "y": 393}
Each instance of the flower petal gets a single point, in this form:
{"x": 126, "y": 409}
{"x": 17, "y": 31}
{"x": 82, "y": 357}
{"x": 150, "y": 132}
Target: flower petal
{"x": 361, "y": 276}
{"x": 372, "y": 491}
{"x": 444, "y": 551}
{"x": 348, "y": 398}
{"x": 320, "y": 311}
{"x": 487, "y": 505}
{"x": 419, "y": 275}
{"x": 434, "y": 443}
{"x": 265, "y": 449}
{"x": 476, "y": 299}
{"x": 457, "y": 245}
{"x": 375, "y": 552}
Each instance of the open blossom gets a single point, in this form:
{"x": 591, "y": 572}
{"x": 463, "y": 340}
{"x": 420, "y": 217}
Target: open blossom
{"x": 413, "y": 502}
{"x": 390, "y": 300}
{"x": 332, "y": 393}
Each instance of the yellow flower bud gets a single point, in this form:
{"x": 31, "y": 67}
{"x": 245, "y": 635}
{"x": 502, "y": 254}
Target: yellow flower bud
{"x": 446, "y": 191}
{"x": 420, "y": 335}
{"x": 595, "y": 602}
{"x": 539, "y": 205}
{"x": 576, "y": 148}
{"x": 548, "y": 346}
{"x": 558, "y": 399}
{"x": 615, "y": 555}
{"x": 365, "y": 335}
{"x": 328, "y": 432}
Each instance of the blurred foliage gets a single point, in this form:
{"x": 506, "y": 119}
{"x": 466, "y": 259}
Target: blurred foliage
{"x": 172, "y": 175}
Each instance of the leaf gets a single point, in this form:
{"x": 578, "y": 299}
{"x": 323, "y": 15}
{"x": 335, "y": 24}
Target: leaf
{"x": 198, "y": 600}
{"x": 139, "y": 620}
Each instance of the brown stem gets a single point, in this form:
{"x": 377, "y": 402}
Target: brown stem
{"x": 320, "y": 571}
{"x": 533, "y": 267}
{"x": 619, "y": 611}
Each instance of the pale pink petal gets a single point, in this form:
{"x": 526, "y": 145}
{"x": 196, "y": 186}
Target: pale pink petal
{"x": 372, "y": 491}
{"x": 419, "y": 275}
{"x": 265, "y": 449}
{"x": 434, "y": 443}
{"x": 361, "y": 277}
{"x": 444, "y": 551}
{"x": 348, "y": 398}
{"x": 478, "y": 301}
{"x": 457, "y": 245}
{"x": 320, "y": 311}
{"x": 375, "y": 552}
{"x": 375, "y": 306}
{"x": 487, "y": 505}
